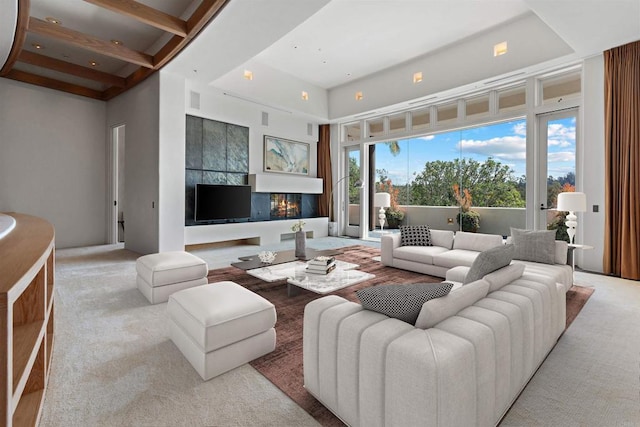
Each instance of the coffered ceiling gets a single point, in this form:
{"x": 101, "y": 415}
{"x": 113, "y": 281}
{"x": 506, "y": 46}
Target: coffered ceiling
{"x": 100, "y": 48}
{"x": 322, "y": 44}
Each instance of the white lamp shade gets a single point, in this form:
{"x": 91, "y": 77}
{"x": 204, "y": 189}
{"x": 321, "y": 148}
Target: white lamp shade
{"x": 382, "y": 200}
{"x": 572, "y": 202}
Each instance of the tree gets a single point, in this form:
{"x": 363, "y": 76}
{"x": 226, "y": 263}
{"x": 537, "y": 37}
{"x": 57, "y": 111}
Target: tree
{"x": 490, "y": 182}
{"x": 354, "y": 175}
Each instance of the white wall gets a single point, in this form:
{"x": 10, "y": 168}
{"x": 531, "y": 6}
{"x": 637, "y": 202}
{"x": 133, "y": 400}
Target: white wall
{"x": 591, "y": 163}
{"x": 171, "y": 163}
{"x": 138, "y": 110}
{"x": 53, "y": 160}
{"x": 217, "y": 106}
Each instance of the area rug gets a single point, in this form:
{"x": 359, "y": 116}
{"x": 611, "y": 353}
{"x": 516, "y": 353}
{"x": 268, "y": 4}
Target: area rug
{"x": 283, "y": 367}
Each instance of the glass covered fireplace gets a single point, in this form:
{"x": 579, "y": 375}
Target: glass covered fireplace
{"x": 286, "y": 206}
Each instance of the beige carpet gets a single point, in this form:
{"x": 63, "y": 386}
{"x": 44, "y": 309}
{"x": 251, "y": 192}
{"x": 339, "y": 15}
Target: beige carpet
{"x": 114, "y": 365}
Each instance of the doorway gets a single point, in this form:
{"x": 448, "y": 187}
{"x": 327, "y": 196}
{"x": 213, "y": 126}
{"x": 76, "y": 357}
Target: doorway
{"x": 557, "y": 166}
{"x": 117, "y": 211}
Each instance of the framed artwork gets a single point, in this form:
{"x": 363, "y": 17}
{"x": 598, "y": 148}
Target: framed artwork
{"x": 285, "y": 156}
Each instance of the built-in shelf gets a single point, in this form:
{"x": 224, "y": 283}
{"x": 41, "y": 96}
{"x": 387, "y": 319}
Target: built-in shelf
{"x": 284, "y": 183}
{"x": 26, "y": 318}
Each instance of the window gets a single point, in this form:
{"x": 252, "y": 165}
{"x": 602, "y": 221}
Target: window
{"x": 420, "y": 118}
{"x": 447, "y": 113}
{"x": 560, "y": 88}
{"x": 375, "y": 127}
{"x": 477, "y": 107}
{"x": 512, "y": 99}
{"x": 398, "y": 123}
{"x": 352, "y": 132}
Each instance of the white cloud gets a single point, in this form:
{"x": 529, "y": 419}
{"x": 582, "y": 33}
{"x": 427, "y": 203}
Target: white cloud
{"x": 562, "y": 156}
{"x": 505, "y": 148}
{"x": 559, "y": 135}
{"x": 427, "y": 138}
{"x": 520, "y": 128}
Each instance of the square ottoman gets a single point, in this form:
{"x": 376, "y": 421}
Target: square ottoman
{"x": 160, "y": 275}
{"x": 221, "y": 326}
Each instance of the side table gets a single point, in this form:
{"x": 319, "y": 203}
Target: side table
{"x": 571, "y": 256}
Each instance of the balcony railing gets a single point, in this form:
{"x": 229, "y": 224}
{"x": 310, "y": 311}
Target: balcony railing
{"x": 492, "y": 220}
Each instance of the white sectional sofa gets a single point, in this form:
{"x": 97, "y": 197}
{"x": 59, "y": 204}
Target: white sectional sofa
{"x": 450, "y": 255}
{"x": 463, "y": 363}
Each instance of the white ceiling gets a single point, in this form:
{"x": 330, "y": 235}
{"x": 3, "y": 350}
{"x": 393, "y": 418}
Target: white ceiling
{"x": 333, "y": 43}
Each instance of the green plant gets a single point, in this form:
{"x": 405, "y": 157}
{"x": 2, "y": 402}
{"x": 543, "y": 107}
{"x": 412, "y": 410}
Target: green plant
{"x": 297, "y": 226}
{"x": 558, "y": 224}
{"x": 394, "y": 218}
{"x": 470, "y": 220}
{"x": 467, "y": 218}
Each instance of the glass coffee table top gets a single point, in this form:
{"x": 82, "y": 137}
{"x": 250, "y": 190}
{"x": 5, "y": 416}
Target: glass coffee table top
{"x": 344, "y": 275}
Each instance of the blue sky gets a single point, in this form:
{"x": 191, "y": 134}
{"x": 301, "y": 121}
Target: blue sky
{"x": 505, "y": 142}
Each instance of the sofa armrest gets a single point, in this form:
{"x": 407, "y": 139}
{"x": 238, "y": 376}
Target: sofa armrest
{"x": 388, "y": 243}
{"x": 456, "y": 274}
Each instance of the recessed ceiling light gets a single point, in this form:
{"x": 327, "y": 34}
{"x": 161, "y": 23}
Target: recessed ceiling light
{"x": 248, "y": 75}
{"x": 500, "y": 49}
{"x": 305, "y": 96}
{"x": 37, "y": 46}
{"x": 117, "y": 42}
{"x": 93, "y": 63}
{"x": 53, "y": 20}
{"x": 417, "y": 77}
{"x": 359, "y": 96}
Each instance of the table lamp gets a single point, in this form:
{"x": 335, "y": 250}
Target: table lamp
{"x": 572, "y": 202}
{"x": 382, "y": 200}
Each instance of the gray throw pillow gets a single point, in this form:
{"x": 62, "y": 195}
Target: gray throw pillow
{"x": 534, "y": 245}
{"x": 415, "y": 235}
{"x": 402, "y": 302}
{"x": 489, "y": 261}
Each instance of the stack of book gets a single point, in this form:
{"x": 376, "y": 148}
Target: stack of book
{"x": 321, "y": 265}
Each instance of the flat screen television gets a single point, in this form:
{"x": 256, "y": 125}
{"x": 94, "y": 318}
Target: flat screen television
{"x": 222, "y": 202}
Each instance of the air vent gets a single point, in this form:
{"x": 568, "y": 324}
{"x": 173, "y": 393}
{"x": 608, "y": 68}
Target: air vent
{"x": 265, "y": 118}
{"x": 309, "y": 129}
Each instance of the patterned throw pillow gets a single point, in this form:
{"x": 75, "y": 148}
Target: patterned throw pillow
{"x": 415, "y": 235}
{"x": 402, "y": 302}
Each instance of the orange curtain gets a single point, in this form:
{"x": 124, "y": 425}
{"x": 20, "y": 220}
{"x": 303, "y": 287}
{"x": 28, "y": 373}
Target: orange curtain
{"x": 622, "y": 161}
{"x": 324, "y": 169}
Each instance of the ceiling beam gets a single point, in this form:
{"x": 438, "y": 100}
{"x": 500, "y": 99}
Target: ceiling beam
{"x": 69, "y": 68}
{"x": 146, "y": 14}
{"x": 204, "y": 14}
{"x": 19, "y": 37}
{"x": 88, "y": 42}
{"x": 47, "y": 82}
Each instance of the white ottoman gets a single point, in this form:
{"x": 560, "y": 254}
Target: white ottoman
{"x": 221, "y": 326}
{"x": 160, "y": 275}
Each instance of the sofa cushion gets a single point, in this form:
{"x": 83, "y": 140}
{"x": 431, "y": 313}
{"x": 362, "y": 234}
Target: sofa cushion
{"x": 476, "y": 241}
{"x": 402, "y": 302}
{"x": 534, "y": 245}
{"x": 562, "y": 249}
{"x": 436, "y": 310}
{"x": 415, "y": 235}
{"x": 504, "y": 276}
{"x": 442, "y": 238}
{"x": 489, "y": 261}
{"x": 422, "y": 254}
{"x": 455, "y": 257}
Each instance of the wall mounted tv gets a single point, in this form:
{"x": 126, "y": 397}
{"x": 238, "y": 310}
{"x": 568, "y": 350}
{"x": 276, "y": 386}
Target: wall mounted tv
{"x": 222, "y": 202}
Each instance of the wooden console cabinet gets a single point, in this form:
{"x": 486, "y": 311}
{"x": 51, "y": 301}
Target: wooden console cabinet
{"x": 26, "y": 318}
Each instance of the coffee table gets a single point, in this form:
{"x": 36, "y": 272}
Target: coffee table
{"x": 251, "y": 262}
{"x": 296, "y": 275}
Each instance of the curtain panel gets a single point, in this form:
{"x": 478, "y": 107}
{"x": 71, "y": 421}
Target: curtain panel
{"x": 324, "y": 169}
{"x": 622, "y": 161}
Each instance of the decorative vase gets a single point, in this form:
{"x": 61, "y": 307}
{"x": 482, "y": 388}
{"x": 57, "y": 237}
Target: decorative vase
{"x": 301, "y": 243}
